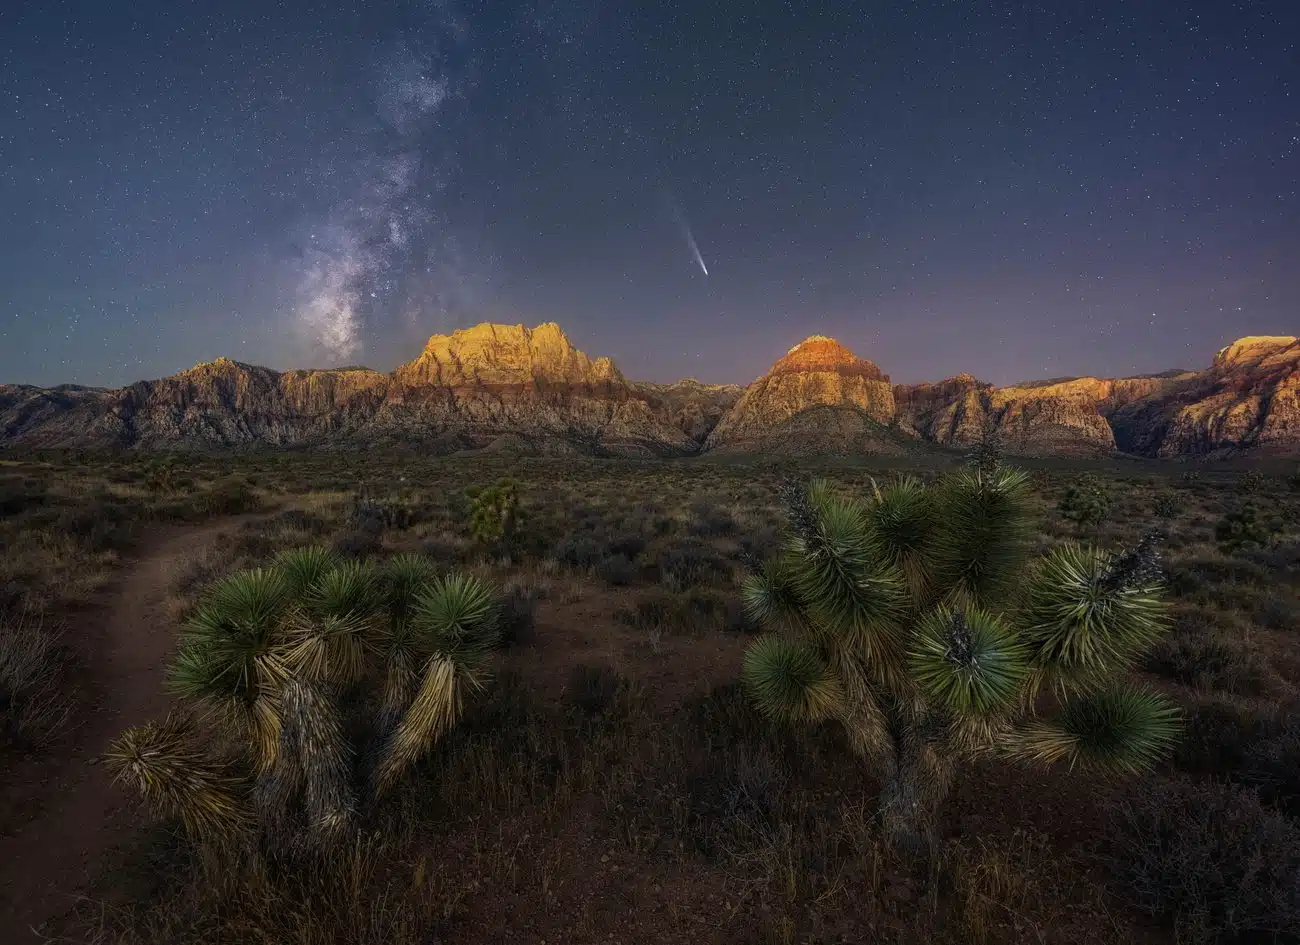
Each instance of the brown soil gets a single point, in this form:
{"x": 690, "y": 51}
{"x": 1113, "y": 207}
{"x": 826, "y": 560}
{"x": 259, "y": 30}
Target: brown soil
{"x": 62, "y": 814}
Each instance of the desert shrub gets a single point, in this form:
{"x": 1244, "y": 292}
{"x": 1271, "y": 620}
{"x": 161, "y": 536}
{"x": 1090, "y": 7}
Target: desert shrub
{"x": 579, "y": 552}
{"x": 1193, "y": 576}
{"x": 1167, "y": 505}
{"x": 1211, "y": 661}
{"x": 762, "y": 543}
{"x": 617, "y": 570}
{"x": 359, "y": 542}
{"x": 1251, "y": 482}
{"x": 1247, "y": 527}
{"x": 1217, "y": 738}
{"x": 17, "y": 497}
{"x": 733, "y": 799}
{"x": 518, "y": 613}
{"x": 299, "y": 520}
{"x": 1272, "y": 760}
{"x": 689, "y": 563}
{"x": 495, "y": 512}
{"x": 329, "y": 678}
{"x": 160, "y": 475}
{"x": 654, "y": 609}
{"x": 709, "y": 519}
{"x": 34, "y": 709}
{"x": 918, "y": 622}
{"x": 100, "y": 524}
{"x": 1210, "y": 858}
{"x": 227, "y": 497}
{"x": 368, "y": 513}
{"x": 1086, "y": 502}
{"x": 628, "y": 545}
{"x": 598, "y": 690}
{"x": 1191, "y": 477}
{"x": 1278, "y": 611}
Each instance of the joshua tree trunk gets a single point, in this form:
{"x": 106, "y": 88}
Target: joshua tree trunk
{"x": 910, "y": 794}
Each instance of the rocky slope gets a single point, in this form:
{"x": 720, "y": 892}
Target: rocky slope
{"x": 465, "y": 391}
{"x": 817, "y": 372}
{"x": 507, "y": 387}
{"x": 1249, "y": 397}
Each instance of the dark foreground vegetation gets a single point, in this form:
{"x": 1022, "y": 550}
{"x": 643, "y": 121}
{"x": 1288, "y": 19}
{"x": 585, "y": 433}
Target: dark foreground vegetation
{"x": 612, "y": 779}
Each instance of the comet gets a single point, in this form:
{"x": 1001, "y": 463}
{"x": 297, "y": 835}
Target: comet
{"x": 685, "y": 227}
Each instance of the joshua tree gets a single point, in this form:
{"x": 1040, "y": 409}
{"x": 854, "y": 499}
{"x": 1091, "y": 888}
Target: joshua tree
{"x": 495, "y": 512}
{"x": 327, "y": 679}
{"x": 917, "y": 622}
{"x": 1086, "y": 502}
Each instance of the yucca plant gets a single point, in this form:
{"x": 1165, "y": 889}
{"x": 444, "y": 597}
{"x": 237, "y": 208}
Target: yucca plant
{"x": 916, "y": 621}
{"x": 327, "y": 680}
{"x": 495, "y": 512}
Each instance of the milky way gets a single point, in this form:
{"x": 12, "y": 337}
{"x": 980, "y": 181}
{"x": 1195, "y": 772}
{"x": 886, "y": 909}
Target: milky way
{"x": 1015, "y": 190}
{"x": 387, "y": 250}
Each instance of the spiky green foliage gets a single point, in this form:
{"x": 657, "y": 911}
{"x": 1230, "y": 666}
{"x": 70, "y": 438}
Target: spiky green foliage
{"x": 495, "y": 511}
{"x": 1090, "y": 613}
{"x": 335, "y": 626}
{"x": 916, "y": 619}
{"x": 1086, "y": 502}
{"x": 232, "y": 655}
{"x": 303, "y": 567}
{"x": 177, "y": 780}
{"x": 967, "y": 663}
{"x": 1124, "y": 730}
{"x": 454, "y": 624}
{"x": 791, "y": 681}
{"x": 985, "y": 538}
{"x": 285, "y": 655}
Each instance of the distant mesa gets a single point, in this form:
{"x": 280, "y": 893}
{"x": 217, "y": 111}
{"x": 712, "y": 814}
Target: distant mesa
{"x": 512, "y": 389}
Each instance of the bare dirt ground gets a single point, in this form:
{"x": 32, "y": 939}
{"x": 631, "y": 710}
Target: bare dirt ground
{"x": 65, "y": 812}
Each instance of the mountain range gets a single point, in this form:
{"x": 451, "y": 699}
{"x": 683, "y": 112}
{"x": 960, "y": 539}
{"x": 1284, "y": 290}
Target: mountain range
{"x": 508, "y": 388}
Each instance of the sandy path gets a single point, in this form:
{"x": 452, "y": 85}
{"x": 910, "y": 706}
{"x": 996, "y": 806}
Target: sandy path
{"x": 73, "y": 815}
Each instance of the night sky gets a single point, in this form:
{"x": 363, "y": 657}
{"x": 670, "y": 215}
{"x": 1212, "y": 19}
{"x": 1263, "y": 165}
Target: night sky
{"x": 1014, "y": 190}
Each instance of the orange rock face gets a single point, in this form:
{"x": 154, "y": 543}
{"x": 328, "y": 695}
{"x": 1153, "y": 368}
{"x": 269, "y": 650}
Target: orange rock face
{"x": 818, "y": 372}
{"x": 511, "y": 387}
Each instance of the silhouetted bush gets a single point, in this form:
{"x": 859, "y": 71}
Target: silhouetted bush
{"x": 579, "y": 551}
{"x": 1211, "y": 858}
{"x": 617, "y": 571}
{"x": 228, "y": 497}
{"x": 1216, "y": 739}
{"x": 1207, "y": 660}
{"x": 1272, "y": 761}
{"x": 710, "y": 519}
{"x": 1247, "y": 527}
{"x": 518, "y": 619}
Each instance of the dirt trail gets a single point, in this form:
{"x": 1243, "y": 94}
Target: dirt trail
{"x": 72, "y": 814}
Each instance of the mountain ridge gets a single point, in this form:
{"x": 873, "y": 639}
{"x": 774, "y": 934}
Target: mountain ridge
{"x": 508, "y": 387}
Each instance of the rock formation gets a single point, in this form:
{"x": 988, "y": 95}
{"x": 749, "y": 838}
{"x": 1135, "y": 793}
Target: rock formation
{"x": 817, "y": 372}
{"x": 506, "y": 387}
{"x": 465, "y": 391}
{"x": 1249, "y": 397}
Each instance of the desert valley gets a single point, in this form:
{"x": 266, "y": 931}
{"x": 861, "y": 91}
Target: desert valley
{"x": 507, "y": 621}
